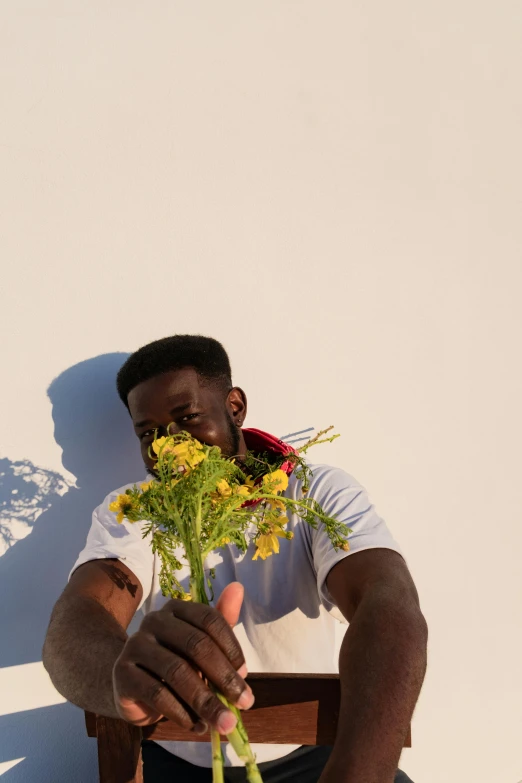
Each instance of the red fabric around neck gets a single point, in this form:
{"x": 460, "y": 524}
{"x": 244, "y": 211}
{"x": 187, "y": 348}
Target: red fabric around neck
{"x": 259, "y": 441}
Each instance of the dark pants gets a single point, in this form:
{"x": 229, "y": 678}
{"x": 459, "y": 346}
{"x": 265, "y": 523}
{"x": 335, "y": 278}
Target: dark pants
{"x": 302, "y": 766}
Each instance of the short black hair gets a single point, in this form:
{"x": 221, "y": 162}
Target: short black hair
{"x": 206, "y": 355}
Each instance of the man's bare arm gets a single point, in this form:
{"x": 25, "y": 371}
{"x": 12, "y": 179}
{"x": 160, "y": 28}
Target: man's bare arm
{"x": 382, "y": 665}
{"x": 87, "y": 633}
{"x": 154, "y": 672}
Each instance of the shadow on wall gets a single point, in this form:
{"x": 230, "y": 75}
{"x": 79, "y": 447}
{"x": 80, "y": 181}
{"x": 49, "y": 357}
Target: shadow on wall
{"x": 26, "y": 491}
{"x": 42, "y": 738}
{"x": 100, "y": 450}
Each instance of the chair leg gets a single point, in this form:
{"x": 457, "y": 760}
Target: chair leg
{"x": 119, "y": 751}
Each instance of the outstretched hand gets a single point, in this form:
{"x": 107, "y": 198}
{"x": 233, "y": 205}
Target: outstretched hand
{"x": 162, "y": 669}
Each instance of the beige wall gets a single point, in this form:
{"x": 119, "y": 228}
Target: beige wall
{"x": 333, "y": 190}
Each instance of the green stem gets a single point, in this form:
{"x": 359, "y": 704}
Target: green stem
{"x": 194, "y": 590}
{"x": 237, "y": 738}
{"x": 239, "y": 741}
{"x": 199, "y": 595}
{"x": 197, "y": 579}
{"x": 217, "y": 758}
{"x": 198, "y": 519}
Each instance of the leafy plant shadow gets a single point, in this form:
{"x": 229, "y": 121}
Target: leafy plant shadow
{"x": 43, "y": 526}
{"x": 99, "y": 448}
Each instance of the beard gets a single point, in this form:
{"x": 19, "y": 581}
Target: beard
{"x": 231, "y": 447}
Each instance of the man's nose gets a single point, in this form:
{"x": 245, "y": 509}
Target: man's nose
{"x": 171, "y": 428}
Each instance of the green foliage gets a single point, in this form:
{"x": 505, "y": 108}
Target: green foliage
{"x": 201, "y": 501}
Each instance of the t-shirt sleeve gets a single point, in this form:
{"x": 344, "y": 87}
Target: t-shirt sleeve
{"x": 109, "y": 539}
{"x": 342, "y": 497}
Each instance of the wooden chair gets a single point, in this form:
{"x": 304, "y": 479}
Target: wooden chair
{"x": 294, "y": 709}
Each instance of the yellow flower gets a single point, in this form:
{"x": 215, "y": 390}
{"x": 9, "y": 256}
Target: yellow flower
{"x": 181, "y": 595}
{"x": 267, "y": 543}
{"x": 276, "y": 504}
{"x": 225, "y": 540}
{"x": 187, "y": 454}
{"x": 121, "y": 507}
{"x": 223, "y": 488}
{"x": 146, "y": 485}
{"x": 278, "y": 480}
{"x": 157, "y": 444}
{"x": 223, "y": 491}
{"x": 243, "y": 490}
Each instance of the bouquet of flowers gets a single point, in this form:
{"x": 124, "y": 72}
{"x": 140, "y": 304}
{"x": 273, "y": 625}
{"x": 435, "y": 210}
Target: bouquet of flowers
{"x": 200, "y": 501}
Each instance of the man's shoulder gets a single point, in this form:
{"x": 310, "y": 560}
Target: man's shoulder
{"x": 323, "y": 475}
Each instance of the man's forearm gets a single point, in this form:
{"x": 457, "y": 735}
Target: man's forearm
{"x": 81, "y": 647}
{"x": 382, "y": 666}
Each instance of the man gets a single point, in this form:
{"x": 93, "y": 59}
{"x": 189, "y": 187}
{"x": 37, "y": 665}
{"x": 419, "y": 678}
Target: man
{"x": 285, "y": 612}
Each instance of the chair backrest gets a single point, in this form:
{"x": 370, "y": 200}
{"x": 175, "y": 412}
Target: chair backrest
{"x": 293, "y": 709}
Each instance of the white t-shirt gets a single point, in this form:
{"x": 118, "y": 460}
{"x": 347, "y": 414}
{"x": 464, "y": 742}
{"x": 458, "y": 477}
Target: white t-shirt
{"x": 288, "y": 619}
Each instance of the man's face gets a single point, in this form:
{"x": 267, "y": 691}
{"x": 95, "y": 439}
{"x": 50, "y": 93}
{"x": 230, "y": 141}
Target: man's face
{"x": 179, "y": 398}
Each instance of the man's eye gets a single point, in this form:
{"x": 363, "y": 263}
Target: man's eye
{"x": 147, "y": 434}
{"x": 190, "y": 417}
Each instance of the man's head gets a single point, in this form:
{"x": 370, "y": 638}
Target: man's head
{"x": 184, "y": 381}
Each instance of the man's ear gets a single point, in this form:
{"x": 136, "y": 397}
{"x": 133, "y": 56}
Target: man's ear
{"x": 237, "y": 405}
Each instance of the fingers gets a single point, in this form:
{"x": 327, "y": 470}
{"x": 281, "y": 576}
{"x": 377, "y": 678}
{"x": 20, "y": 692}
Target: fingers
{"x": 161, "y": 669}
{"x": 168, "y": 684}
{"x": 230, "y": 602}
{"x": 194, "y": 648}
{"x": 141, "y": 714}
{"x": 137, "y": 712}
{"x": 209, "y": 621}
{"x": 134, "y": 685}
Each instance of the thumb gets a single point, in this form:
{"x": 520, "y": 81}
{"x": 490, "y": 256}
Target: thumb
{"x": 229, "y": 603}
